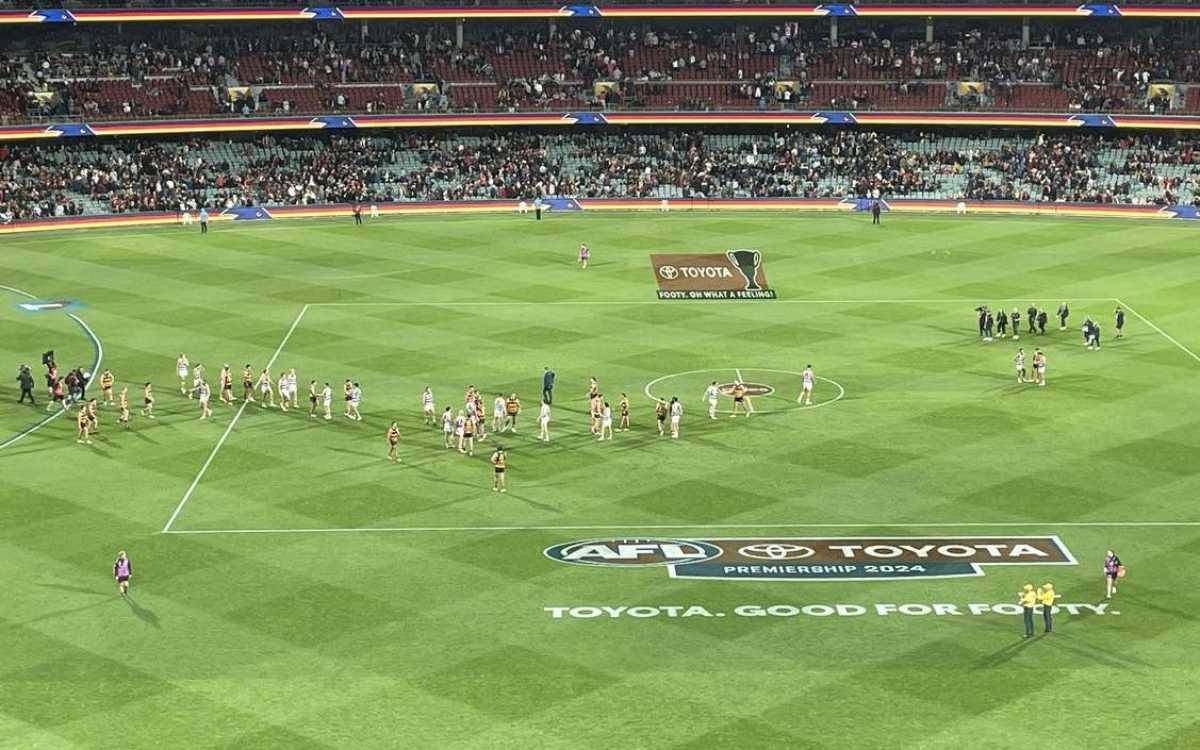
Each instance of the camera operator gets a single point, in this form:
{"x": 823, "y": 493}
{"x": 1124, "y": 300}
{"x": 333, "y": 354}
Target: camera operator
{"x": 25, "y": 378}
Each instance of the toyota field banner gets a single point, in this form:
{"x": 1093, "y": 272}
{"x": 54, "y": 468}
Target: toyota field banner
{"x": 736, "y": 274}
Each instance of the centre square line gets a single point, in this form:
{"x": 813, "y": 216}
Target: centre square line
{"x": 225, "y": 435}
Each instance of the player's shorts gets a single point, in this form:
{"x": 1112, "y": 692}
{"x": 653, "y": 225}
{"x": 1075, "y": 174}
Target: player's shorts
{"x": 738, "y": 399}
{"x": 146, "y": 401}
{"x": 122, "y": 579}
{"x": 674, "y": 421}
{"x": 312, "y": 399}
{"x": 204, "y": 399}
{"x": 393, "y": 441}
{"x": 427, "y": 408}
{"x": 265, "y": 389}
{"x": 328, "y": 402}
{"x": 499, "y": 469}
{"x": 459, "y": 433}
{"x": 182, "y": 374}
{"x": 606, "y": 423}
{"x": 543, "y": 421}
{"x": 808, "y": 386}
{"x": 468, "y": 435}
{"x": 447, "y": 429}
{"x": 662, "y": 418}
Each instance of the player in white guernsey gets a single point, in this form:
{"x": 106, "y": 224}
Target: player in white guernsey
{"x": 676, "y": 411}
{"x": 427, "y": 405}
{"x": 806, "y": 386}
{"x": 327, "y": 400}
{"x": 447, "y": 429}
{"x": 713, "y": 394}
{"x": 181, "y": 369}
{"x": 197, "y": 379}
{"x": 459, "y": 423}
{"x": 204, "y": 393}
{"x": 605, "y": 422}
{"x": 283, "y": 391}
{"x": 498, "y": 413}
{"x": 544, "y": 422}
{"x": 291, "y": 381}
{"x": 1019, "y": 365}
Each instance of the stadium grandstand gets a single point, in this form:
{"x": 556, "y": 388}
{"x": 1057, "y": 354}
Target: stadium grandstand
{"x": 147, "y": 71}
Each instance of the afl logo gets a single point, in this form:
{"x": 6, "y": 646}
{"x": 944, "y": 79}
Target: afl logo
{"x": 633, "y": 552}
{"x": 668, "y": 272}
{"x": 776, "y": 551}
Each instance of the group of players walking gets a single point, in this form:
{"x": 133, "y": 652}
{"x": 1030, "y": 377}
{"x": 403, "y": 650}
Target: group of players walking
{"x": 320, "y": 396}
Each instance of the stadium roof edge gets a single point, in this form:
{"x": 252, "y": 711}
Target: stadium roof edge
{"x": 773, "y": 118}
{"x": 71, "y": 16}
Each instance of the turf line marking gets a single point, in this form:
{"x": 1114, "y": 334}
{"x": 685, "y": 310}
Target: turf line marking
{"x": 228, "y": 429}
{"x": 14, "y": 290}
{"x": 973, "y": 524}
{"x": 97, "y": 349}
{"x": 738, "y": 373}
{"x": 1165, "y": 335}
{"x": 585, "y": 303}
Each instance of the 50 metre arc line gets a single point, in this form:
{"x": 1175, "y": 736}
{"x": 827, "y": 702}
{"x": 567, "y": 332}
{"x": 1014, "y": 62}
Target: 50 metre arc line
{"x": 98, "y": 357}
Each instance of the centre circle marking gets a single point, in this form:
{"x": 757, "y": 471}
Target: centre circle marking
{"x": 841, "y": 392}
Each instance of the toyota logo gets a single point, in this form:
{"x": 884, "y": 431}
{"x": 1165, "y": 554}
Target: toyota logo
{"x": 776, "y": 551}
{"x": 668, "y": 272}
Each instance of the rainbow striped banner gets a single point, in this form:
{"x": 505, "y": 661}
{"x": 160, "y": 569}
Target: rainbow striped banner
{"x": 578, "y": 120}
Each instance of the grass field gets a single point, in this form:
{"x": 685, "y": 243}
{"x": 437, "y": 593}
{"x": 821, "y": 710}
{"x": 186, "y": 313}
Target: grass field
{"x": 310, "y": 594}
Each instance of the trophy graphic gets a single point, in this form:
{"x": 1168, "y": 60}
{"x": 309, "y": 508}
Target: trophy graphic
{"x": 747, "y": 262}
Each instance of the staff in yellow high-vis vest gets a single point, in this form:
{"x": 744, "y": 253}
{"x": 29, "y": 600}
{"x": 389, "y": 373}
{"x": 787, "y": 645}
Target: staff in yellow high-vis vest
{"x": 1027, "y": 598}
{"x": 1046, "y": 597}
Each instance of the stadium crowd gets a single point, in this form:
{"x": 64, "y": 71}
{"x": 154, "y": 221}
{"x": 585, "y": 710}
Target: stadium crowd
{"x": 174, "y": 71}
{"x": 73, "y": 178}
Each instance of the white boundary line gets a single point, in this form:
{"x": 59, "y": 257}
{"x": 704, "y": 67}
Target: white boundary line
{"x": 585, "y": 303}
{"x": 95, "y": 366}
{"x": 225, "y": 435}
{"x": 623, "y": 528}
{"x": 1165, "y": 335}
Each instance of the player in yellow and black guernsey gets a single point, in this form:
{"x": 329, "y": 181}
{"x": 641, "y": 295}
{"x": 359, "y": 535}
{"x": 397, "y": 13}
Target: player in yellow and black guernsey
{"x": 499, "y": 461}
